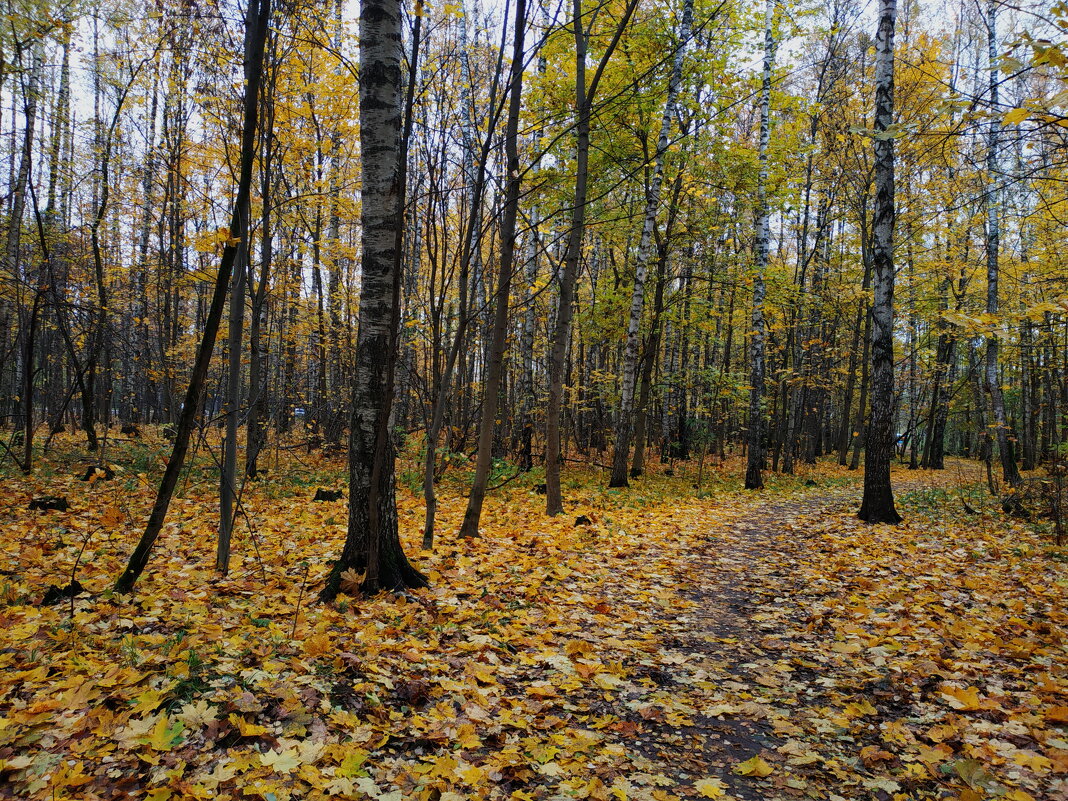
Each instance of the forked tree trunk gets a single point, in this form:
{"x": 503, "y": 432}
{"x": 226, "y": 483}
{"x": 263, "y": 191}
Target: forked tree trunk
{"x": 554, "y": 503}
{"x": 877, "y": 505}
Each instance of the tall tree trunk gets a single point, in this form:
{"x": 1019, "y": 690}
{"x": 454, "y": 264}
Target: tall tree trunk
{"x": 257, "y": 19}
{"x": 624, "y": 420}
{"x": 860, "y": 428}
{"x": 877, "y": 505}
{"x": 554, "y": 503}
{"x": 651, "y": 348}
{"x": 991, "y": 198}
{"x": 12, "y": 262}
{"x": 373, "y": 541}
{"x": 232, "y": 399}
{"x": 755, "y": 438}
{"x": 259, "y": 364}
{"x": 499, "y": 334}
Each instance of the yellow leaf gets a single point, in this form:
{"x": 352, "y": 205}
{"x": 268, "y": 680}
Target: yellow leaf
{"x": 1014, "y": 116}
{"x": 607, "y": 681}
{"x": 112, "y": 517}
{"x": 754, "y": 767}
{"x": 352, "y": 762}
{"x": 1058, "y": 714}
{"x": 196, "y": 715}
{"x": 317, "y": 644}
{"x": 285, "y": 761}
{"x": 147, "y": 702}
{"x": 245, "y": 728}
{"x": 710, "y": 788}
{"x": 483, "y": 673}
{"x": 965, "y": 700}
{"x": 1036, "y": 762}
{"x": 165, "y": 735}
{"x": 860, "y": 708}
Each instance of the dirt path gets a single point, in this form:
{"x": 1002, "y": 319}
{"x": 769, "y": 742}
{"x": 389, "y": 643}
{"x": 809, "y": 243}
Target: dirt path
{"x": 718, "y": 699}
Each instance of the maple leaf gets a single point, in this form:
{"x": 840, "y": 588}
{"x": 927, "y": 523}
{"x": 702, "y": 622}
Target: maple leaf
{"x": 351, "y": 581}
{"x": 285, "y": 761}
{"x": 112, "y": 516}
{"x": 198, "y": 714}
{"x": 755, "y": 766}
{"x": 147, "y": 702}
{"x": 965, "y": 700}
{"x": 710, "y": 788}
{"x": 132, "y": 733}
{"x": 164, "y": 734}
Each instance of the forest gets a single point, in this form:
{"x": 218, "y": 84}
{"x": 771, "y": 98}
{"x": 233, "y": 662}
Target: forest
{"x": 615, "y": 399}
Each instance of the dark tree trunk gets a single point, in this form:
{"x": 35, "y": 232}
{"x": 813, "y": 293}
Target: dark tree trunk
{"x": 257, "y": 19}
{"x": 499, "y": 335}
{"x": 754, "y": 465}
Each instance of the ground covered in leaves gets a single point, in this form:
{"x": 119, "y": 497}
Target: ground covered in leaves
{"x": 678, "y": 645}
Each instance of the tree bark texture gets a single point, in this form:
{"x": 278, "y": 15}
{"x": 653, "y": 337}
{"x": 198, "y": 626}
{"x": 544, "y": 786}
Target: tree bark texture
{"x": 372, "y": 543}
{"x": 877, "y": 505}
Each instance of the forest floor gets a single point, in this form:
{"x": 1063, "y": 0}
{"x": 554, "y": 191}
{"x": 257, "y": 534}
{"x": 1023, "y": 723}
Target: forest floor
{"x": 680, "y": 644}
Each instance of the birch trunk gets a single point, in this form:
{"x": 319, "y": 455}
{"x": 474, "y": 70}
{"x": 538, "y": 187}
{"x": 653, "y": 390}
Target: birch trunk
{"x": 991, "y": 198}
{"x": 372, "y": 542}
{"x": 877, "y": 505}
{"x": 624, "y": 421}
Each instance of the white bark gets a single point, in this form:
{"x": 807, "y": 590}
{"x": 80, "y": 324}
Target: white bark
{"x": 624, "y": 422}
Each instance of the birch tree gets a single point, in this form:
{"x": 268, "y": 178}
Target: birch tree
{"x": 991, "y": 198}
{"x": 877, "y": 505}
{"x": 624, "y": 421}
{"x": 372, "y": 543}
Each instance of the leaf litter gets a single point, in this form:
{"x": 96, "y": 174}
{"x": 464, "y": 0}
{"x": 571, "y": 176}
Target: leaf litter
{"x": 673, "y": 647}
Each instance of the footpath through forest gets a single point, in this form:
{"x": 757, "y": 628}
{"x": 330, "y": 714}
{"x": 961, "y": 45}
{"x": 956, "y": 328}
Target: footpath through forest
{"x": 653, "y": 646}
{"x": 815, "y": 656}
